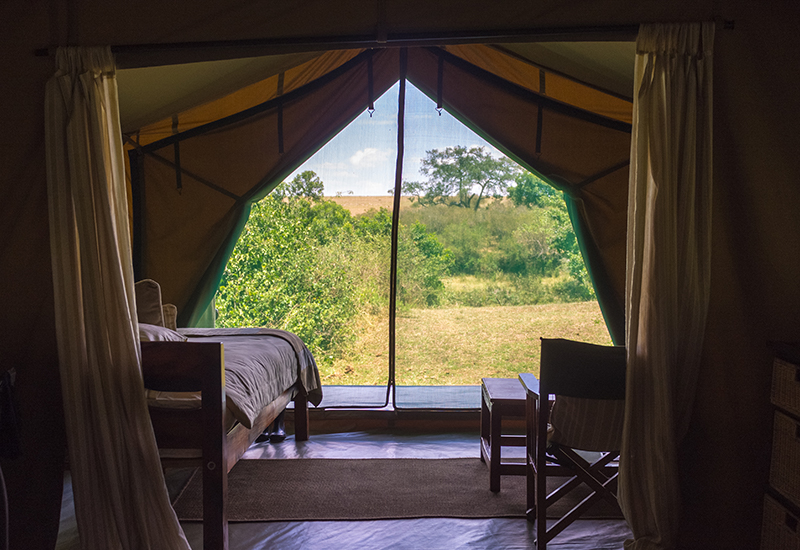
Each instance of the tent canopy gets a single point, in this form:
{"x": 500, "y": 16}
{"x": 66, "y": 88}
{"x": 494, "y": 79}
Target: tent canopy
{"x": 208, "y": 139}
{"x": 151, "y": 94}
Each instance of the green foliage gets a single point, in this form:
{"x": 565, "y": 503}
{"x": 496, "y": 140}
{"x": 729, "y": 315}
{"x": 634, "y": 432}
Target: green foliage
{"x": 273, "y": 277}
{"x": 502, "y": 290}
{"x": 532, "y": 237}
{"x": 422, "y": 259}
{"x": 310, "y": 267}
{"x": 306, "y": 184}
{"x": 498, "y": 239}
{"x": 461, "y": 177}
{"x": 530, "y": 190}
{"x": 421, "y": 262}
{"x": 578, "y": 287}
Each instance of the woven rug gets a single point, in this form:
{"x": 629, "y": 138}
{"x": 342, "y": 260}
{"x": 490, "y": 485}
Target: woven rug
{"x": 362, "y": 489}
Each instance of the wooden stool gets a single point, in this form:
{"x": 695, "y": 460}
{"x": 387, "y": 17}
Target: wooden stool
{"x": 502, "y": 397}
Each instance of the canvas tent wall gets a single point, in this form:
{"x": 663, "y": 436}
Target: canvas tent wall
{"x": 755, "y": 295}
{"x": 574, "y": 134}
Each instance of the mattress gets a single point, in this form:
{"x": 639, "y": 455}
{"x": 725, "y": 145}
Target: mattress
{"x": 260, "y": 364}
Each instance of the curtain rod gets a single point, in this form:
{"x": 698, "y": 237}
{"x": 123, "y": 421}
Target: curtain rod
{"x": 267, "y": 46}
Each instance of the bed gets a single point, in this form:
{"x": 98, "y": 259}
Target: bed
{"x": 212, "y": 392}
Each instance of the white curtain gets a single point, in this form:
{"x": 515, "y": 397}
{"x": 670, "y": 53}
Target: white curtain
{"x": 121, "y": 500}
{"x": 668, "y": 264}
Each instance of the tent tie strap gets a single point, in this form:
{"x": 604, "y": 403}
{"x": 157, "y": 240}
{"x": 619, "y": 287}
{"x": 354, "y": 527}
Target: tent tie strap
{"x": 440, "y": 84}
{"x": 370, "y": 87}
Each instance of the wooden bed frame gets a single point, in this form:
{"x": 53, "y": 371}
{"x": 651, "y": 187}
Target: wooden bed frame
{"x": 199, "y": 366}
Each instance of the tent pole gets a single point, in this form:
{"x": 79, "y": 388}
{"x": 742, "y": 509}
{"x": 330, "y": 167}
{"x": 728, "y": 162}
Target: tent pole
{"x": 229, "y": 49}
{"x": 398, "y": 182}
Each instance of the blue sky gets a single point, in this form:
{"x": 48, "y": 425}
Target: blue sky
{"x": 361, "y": 159}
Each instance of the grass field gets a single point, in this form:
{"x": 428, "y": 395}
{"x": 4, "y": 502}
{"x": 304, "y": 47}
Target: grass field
{"x": 457, "y": 346}
{"x": 359, "y": 205}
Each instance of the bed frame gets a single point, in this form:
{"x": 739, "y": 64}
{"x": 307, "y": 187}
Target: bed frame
{"x": 199, "y": 366}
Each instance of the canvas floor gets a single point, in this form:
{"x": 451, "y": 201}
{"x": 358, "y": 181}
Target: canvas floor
{"x": 428, "y": 534}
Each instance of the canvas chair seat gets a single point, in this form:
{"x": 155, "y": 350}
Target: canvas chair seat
{"x": 588, "y": 383}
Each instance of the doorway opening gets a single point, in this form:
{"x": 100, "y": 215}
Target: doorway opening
{"x": 487, "y": 262}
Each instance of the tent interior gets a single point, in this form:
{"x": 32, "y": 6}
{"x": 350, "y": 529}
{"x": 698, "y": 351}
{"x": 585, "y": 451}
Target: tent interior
{"x": 300, "y": 74}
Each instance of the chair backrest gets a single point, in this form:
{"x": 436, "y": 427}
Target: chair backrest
{"x": 588, "y": 381}
{"x": 579, "y": 369}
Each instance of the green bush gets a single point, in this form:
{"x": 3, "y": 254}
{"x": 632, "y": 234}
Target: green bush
{"x": 514, "y": 290}
{"x": 533, "y": 240}
{"x": 422, "y": 261}
{"x": 578, "y": 287}
{"x": 309, "y": 266}
{"x": 274, "y": 277}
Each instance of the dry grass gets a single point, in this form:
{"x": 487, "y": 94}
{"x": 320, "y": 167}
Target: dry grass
{"x": 455, "y": 346}
{"x": 359, "y": 205}
{"x": 465, "y": 283}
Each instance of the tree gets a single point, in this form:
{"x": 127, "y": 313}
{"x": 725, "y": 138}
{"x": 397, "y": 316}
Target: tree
{"x": 461, "y": 177}
{"x": 533, "y": 191}
{"x": 306, "y": 184}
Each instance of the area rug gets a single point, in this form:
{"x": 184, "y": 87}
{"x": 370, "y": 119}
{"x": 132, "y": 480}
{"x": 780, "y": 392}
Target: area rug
{"x": 360, "y": 489}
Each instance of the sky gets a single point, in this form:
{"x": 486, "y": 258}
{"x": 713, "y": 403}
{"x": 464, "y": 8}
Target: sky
{"x": 361, "y": 159}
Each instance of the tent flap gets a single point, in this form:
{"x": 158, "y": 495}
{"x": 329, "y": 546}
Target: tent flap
{"x": 229, "y": 163}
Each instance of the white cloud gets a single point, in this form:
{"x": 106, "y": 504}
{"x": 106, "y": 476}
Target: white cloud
{"x": 370, "y": 156}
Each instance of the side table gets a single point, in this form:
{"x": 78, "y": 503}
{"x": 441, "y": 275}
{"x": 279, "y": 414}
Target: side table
{"x": 501, "y": 398}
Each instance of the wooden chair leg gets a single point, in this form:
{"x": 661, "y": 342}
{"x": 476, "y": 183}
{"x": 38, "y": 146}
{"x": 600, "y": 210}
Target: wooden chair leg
{"x": 530, "y": 456}
{"x": 541, "y": 413}
{"x": 494, "y": 454}
{"x": 485, "y": 428}
{"x": 540, "y": 486}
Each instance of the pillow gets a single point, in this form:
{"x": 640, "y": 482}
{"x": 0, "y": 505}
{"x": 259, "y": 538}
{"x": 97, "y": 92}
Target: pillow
{"x": 154, "y": 333}
{"x": 170, "y": 313}
{"x": 148, "y": 302}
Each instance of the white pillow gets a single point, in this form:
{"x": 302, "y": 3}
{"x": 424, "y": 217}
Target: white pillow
{"x": 154, "y": 333}
{"x": 148, "y": 302}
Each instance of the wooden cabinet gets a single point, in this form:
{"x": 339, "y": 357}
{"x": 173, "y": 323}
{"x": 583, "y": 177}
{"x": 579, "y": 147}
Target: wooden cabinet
{"x": 781, "y": 523}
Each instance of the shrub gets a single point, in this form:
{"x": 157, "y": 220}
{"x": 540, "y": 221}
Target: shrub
{"x": 274, "y": 278}
{"x": 528, "y": 236}
{"x": 309, "y": 267}
{"x": 514, "y": 290}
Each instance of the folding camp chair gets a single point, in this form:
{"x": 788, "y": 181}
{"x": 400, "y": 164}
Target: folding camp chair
{"x": 588, "y": 382}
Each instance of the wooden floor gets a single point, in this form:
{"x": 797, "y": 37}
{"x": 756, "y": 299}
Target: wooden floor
{"x": 362, "y": 434}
